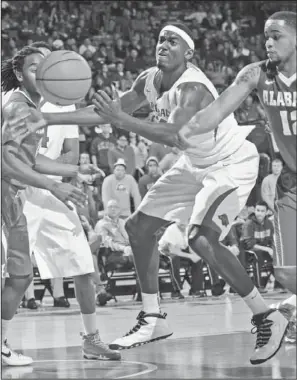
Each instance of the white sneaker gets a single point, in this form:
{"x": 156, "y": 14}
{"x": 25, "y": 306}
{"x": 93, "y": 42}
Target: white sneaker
{"x": 12, "y": 358}
{"x": 149, "y": 328}
{"x": 289, "y": 312}
{"x": 270, "y": 328}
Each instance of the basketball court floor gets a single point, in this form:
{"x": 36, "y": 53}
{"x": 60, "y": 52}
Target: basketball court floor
{"x": 211, "y": 339}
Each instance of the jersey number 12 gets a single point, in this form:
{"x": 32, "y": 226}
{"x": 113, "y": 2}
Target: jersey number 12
{"x": 287, "y": 119}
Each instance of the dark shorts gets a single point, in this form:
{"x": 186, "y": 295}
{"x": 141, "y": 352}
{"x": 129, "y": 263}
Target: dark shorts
{"x": 18, "y": 261}
{"x": 285, "y": 220}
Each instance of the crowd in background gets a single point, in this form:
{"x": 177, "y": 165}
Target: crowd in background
{"x": 118, "y": 39}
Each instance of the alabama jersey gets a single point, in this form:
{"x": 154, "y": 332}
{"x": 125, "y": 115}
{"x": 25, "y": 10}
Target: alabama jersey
{"x": 30, "y": 145}
{"x": 209, "y": 147}
{"x": 278, "y": 97}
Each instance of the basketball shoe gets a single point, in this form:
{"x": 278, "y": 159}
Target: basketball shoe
{"x": 270, "y": 328}
{"x": 288, "y": 311}
{"x": 94, "y": 348}
{"x": 150, "y": 327}
{"x": 12, "y": 358}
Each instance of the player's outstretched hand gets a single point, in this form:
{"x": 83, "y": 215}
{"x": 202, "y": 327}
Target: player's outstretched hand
{"x": 109, "y": 109}
{"x": 68, "y": 194}
{"x": 14, "y": 127}
{"x": 25, "y": 121}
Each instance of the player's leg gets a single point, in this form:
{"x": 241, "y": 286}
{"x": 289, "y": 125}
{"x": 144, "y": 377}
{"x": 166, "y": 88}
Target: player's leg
{"x": 225, "y": 193}
{"x": 171, "y": 198}
{"x": 20, "y": 275}
{"x": 285, "y": 241}
{"x": 61, "y": 230}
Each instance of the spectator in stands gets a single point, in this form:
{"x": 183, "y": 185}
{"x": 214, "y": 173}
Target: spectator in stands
{"x": 133, "y": 62}
{"x": 229, "y": 25}
{"x": 257, "y": 233}
{"x": 152, "y": 175}
{"x": 124, "y": 151}
{"x": 112, "y": 231}
{"x": 121, "y": 187}
{"x": 87, "y": 46}
{"x": 141, "y": 153}
{"x": 170, "y": 159}
{"x": 100, "y": 146}
{"x": 268, "y": 186}
{"x": 158, "y": 150}
{"x": 120, "y": 50}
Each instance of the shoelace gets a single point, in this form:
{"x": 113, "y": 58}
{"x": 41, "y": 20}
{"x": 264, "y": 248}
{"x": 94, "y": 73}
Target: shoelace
{"x": 262, "y": 327}
{"x": 141, "y": 322}
{"x": 95, "y": 340}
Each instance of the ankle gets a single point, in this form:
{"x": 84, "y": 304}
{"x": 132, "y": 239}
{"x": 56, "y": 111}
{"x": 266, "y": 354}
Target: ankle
{"x": 150, "y": 303}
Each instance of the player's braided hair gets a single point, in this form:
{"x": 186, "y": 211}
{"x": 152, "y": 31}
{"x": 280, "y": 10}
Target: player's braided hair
{"x": 9, "y": 80}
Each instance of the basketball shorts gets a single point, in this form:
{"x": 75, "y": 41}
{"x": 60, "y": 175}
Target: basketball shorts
{"x": 17, "y": 252}
{"x": 285, "y": 220}
{"x": 212, "y": 196}
{"x": 56, "y": 236}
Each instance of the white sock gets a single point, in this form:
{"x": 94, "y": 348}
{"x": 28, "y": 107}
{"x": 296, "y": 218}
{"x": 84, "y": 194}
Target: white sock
{"x": 4, "y": 328}
{"x": 150, "y": 303}
{"x": 89, "y": 323}
{"x": 57, "y": 285}
{"x": 255, "y": 302}
{"x": 291, "y": 300}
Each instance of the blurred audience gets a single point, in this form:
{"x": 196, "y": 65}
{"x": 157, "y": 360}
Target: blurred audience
{"x": 152, "y": 175}
{"x": 268, "y": 186}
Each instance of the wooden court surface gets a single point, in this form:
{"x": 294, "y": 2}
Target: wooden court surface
{"x": 211, "y": 339}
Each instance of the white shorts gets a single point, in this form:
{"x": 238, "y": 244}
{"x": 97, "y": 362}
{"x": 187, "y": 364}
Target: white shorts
{"x": 211, "y": 196}
{"x": 56, "y": 236}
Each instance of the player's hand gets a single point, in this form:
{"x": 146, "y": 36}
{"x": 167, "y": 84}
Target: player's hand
{"x": 30, "y": 118}
{"x": 128, "y": 251}
{"x": 109, "y": 109}
{"x": 184, "y": 134}
{"x": 68, "y": 194}
{"x": 14, "y": 127}
{"x": 91, "y": 169}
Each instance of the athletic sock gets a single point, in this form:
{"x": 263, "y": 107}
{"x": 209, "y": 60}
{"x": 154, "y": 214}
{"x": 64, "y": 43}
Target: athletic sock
{"x": 150, "y": 303}
{"x": 89, "y": 323}
{"x": 4, "y": 328}
{"x": 255, "y": 302}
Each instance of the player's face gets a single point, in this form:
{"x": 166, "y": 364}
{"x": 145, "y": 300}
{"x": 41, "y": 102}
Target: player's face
{"x": 260, "y": 213}
{"x": 28, "y": 75}
{"x": 170, "y": 51}
{"x": 280, "y": 41}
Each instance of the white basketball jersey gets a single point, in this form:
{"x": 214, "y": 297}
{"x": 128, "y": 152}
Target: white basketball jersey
{"x": 210, "y": 147}
{"x": 54, "y": 135}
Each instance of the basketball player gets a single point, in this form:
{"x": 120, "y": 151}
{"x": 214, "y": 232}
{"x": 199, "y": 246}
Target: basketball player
{"x": 275, "y": 82}
{"x": 21, "y": 166}
{"x": 210, "y": 184}
{"x": 51, "y": 224}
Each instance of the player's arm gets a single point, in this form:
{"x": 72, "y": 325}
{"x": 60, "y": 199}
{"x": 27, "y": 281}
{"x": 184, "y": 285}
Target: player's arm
{"x": 131, "y": 101}
{"x": 191, "y": 97}
{"x": 48, "y": 166}
{"x": 209, "y": 118}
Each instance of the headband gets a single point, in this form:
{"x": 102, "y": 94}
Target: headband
{"x": 181, "y": 33}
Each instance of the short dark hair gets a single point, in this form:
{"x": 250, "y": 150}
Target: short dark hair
{"x": 262, "y": 203}
{"x": 277, "y": 160}
{"x": 41, "y": 44}
{"x": 288, "y": 17}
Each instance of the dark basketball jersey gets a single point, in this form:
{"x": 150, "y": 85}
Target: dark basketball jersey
{"x": 278, "y": 97}
{"x": 30, "y": 145}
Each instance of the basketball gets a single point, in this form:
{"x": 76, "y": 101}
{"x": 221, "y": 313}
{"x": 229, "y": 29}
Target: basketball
{"x": 63, "y": 78}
